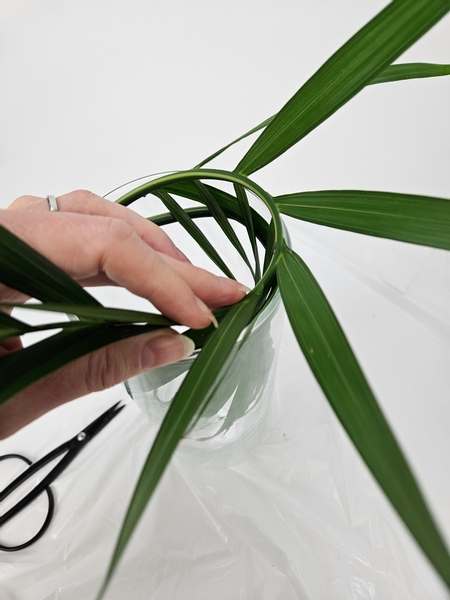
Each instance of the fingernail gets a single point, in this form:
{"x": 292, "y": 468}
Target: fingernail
{"x": 202, "y": 306}
{"x": 240, "y": 286}
{"x": 166, "y": 349}
{"x": 244, "y": 288}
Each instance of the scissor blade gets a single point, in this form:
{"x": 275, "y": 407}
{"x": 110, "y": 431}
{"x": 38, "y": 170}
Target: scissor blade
{"x": 99, "y": 423}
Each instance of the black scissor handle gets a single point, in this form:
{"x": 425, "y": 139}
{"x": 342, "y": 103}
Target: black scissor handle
{"x": 51, "y": 508}
{"x": 72, "y": 447}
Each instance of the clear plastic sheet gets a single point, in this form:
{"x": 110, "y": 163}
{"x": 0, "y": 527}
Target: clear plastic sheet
{"x": 294, "y": 516}
{"x": 107, "y": 93}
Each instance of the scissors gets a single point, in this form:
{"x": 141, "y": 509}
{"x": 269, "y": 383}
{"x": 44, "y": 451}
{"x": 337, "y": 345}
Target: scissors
{"x": 72, "y": 447}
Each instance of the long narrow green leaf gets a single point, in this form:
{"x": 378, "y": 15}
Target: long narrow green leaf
{"x": 186, "y": 189}
{"x": 92, "y": 315}
{"x": 185, "y": 221}
{"x": 20, "y": 369}
{"x": 242, "y": 137}
{"x": 336, "y": 369}
{"x": 11, "y": 327}
{"x": 228, "y": 203}
{"x": 391, "y": 73}
{"x": 7, "y": 320}
{"x": 97, "y": 313}
{"x": 241, "y": 184}
{"x": 407, "y": 218}
{"x": 192, "y": 395}
{"x": 25, "y": 270}
{"x": 244, "y": 205}
{"x": 23, "y": 328}
{"x": 221, "y": 219}
{"x": 353, "y": 66}
{"x": 270, "y": 245}
{"x": 405, "y": 71}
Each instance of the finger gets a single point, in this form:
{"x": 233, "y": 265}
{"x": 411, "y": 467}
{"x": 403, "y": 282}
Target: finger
{"x": 214, "y": 290}
{"x": 85, "y": 202}
{"x": 85, "y": 247}
{"x": 142, "y": 271}
{"x": 95, "y": 372}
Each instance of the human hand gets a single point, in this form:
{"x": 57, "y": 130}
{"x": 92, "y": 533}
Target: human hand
{"x": 98, "y": 242}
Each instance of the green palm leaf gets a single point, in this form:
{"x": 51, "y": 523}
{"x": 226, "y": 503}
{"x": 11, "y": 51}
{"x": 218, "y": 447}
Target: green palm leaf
{"x": 192, "y": 228}
{"x": 404, "y": 217}
{"x": 336, "y": 369}
{"x": 352, "y": 67}
{"x": 193, "y": 395}
{"x": 391, "y": 73}
{"x": 228, "y": 203}
{"x": 10, "y": 327}
{"x": 269, "y": 246}
{"x": 23, "y": 328}
{"x": 405, "y": 71}
{"x": 25, "y": 270}
{"x": 241, "y": 137}
{"x": 221, "y": 219}
{"x": 92, "y": 314}
{"x": 20, "y": 369}
{"x": 246, "y": 212}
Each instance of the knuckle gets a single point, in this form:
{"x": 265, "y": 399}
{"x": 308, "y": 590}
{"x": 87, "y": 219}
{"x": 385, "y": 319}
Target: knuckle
{"x": 122, "y": 237}
{"x": 113, "y": 234}
{"x": 117, "y": 229}
{"x": 83, "y": 201}
{"x": 82, "y": 195}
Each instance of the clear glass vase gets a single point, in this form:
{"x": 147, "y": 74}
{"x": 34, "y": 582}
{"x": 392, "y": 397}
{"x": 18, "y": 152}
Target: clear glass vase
{"x": 230, "y": 424}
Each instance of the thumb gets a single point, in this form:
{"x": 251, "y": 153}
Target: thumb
{"x": 97, "y": 371}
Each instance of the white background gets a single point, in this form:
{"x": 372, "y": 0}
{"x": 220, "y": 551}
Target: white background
{"x": 94, "y": 94}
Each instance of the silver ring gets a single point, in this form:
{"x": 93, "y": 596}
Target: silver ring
{"x": 52, "y": 203}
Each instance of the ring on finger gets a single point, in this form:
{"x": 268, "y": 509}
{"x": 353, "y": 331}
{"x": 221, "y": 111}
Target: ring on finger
{"x": 52, "y": 203}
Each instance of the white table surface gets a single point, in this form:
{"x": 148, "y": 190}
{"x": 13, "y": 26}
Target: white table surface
{"x": 94, "y": 94}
